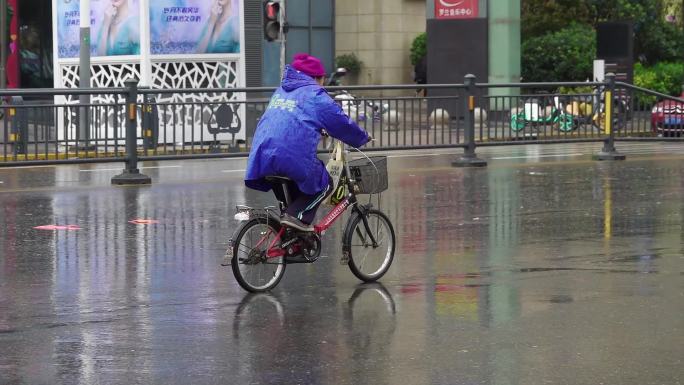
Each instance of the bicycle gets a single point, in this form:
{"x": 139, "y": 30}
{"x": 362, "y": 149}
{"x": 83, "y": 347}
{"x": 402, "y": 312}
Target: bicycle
{"x": 359, "y": 110}
{"x": 568, "y": 112}
{"x": 261, "y": 247}
{"x": 536, "y": 112}
{"x": 591, "y": 109}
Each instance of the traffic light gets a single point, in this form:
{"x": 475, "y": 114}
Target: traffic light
{"x": 272, "y": 20}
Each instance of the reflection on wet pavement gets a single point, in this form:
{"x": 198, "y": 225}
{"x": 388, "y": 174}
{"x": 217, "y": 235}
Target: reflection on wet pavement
{"x": 521, "y": 273}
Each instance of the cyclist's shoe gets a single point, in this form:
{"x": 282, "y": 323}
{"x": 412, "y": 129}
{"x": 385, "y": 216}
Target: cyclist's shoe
{"x": 289, "y": 220}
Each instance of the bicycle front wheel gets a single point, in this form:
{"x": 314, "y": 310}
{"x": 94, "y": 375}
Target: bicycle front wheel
{"x": 252, "y": 268}
{"x": 371, "y": 246}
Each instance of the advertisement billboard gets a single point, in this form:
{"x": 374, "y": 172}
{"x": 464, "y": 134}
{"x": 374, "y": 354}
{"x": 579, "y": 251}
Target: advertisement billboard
{"x": 114, "y": 28}
{"x": 456, "y": 9}
{"x": 194, "y": 27}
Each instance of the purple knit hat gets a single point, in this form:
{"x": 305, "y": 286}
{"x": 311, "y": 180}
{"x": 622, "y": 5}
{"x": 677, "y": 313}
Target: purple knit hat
{"x": 310, "y": 65}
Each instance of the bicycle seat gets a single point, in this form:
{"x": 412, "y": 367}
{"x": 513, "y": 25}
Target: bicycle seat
{"x": 281, "y": 188}
{"x": 277, "y": 179}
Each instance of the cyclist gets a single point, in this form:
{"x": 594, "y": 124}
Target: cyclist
{"x": 286, "y": 139}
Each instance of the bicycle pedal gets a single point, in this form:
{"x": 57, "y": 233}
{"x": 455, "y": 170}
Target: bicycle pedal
{"x": 228, "y": 256}
{"x": 345, "y": 258}
{"x": 226, "y": 259}
{"x": 298, "y": 259}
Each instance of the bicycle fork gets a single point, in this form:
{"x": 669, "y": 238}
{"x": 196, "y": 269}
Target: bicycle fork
{"x": 362, "y": 211}
{"x": 364, "y": 218}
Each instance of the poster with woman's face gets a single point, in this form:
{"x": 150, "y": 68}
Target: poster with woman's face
{"x": 114, "y": 27}
{"x": 194, "y": 27}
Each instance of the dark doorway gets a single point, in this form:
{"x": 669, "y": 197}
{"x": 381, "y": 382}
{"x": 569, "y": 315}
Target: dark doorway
{"x": 35, "y": 44}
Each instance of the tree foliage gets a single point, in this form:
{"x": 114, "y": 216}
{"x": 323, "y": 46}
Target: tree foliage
{"x": 658, "y": 42}
{"x": 675, "y": 8}
{"x": 539, "y": 17}
{"x": 655, "y": 38}
{"x": 565, "y": 55}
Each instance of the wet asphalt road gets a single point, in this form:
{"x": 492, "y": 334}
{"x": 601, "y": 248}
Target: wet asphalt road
{"x": 544, "y": 268}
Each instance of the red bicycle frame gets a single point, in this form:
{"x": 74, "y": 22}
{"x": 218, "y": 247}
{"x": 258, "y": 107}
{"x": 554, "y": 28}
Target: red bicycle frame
{"x": 332, "y": 216}
{"x": 319, "y": 228}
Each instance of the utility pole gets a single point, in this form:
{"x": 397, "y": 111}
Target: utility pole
{"x": 84, "y": 74}
{"x": 3, "y": 43}
{"x": 282, "y": 18}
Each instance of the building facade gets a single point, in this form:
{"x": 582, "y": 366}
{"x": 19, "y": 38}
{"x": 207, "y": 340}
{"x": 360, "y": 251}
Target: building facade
{"x": 380, "y": 34}
{"x": 39, "y": 64}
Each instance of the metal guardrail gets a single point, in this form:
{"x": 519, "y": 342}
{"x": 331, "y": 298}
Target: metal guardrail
{"x": 131, "y": 123}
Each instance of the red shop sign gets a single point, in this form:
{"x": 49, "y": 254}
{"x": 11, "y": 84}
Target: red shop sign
{"x": 456, "y": 9}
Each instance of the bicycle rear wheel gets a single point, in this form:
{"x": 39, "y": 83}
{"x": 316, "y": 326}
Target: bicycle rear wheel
{"x": 619, "y": 113}
{"x": 252, "y": 269}
{"x": 367, "y": 260}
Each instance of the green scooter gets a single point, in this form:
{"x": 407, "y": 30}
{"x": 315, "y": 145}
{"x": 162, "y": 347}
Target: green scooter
{"x": 535, "y": 114}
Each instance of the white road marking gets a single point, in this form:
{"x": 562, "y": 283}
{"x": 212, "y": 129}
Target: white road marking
{"x": 412, "y": 155}
{"x": 103, "y": 169}
{"x": 233, "y": 170}
{"x": 16, "y": 167}
{"x": 539, "y": 156}
{"x": 121, "y": 168}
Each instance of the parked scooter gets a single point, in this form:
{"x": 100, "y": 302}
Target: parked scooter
{"x": 568, "y": 112}
{"x": 360, "y": 110}
{"x": 536, "y": 112}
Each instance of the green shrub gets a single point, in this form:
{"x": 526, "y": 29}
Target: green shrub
{"x": 350, "y": 62}
{"x": 666, "y": 78}
{"x": 565, "y": 55}
{"x": 584, "y": 90}
{"x": 418, "y": 48}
